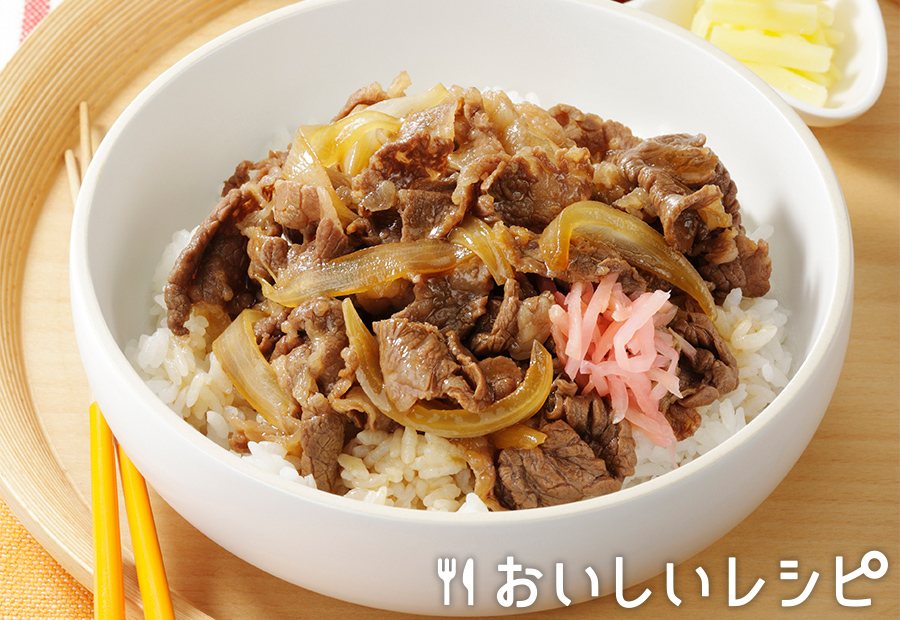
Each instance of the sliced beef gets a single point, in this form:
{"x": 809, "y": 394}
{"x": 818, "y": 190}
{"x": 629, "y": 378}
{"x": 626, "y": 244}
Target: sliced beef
{"x": 480, "y": 454}
{"x": 268, "y": 329}
{"x": 309, "y": 211}
{"x": 532, "y": 187}
{"x": 688, "y": 195}
{"x": 420, "y": 149}
{"x": 707, "y": 370}
{"x": 321, "y": 441}
{"x": 513, "y": 323}
{"x": 427, "y": 214}
{"x": 592, "y": 132}
{"x": 307, "y": 358}
{"x": 478, "y": 153}
{"x": 213, "y": 267}
{"x": 373, "y": 93}
{"x": 418, "y": 362}
{"x": 502, "y": 374}
{"x": 562, "y": 469}
{"x": 684, "y": 420}
{"x": 749, "y": 269}
{"x": 590, "y": 416}
{"x": 308, "y": 362}
{"x": 365, "y": 96}
{"x": 453, "y": 301}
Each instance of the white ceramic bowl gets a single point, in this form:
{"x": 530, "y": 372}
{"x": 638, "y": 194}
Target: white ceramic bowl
{"x": 162, "y": 164}
{"x": 862, "y": 57}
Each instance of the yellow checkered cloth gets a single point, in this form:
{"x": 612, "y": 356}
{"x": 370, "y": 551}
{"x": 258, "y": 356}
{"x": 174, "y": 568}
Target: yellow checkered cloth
{"x": 33, "y": 586}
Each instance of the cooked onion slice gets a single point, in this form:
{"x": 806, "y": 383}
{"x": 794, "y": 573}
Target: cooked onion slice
{"x": 367, "y": 268}
{"x": 351, "y": 141}
{"x": 250, "y": 372}
{"x": 474, "y": 234}
{"x": 636, "y": 241}
{"x": 398, "y": 107}
{"x": 520, "y": 405}
{"x": 303, "y": 165}
{"x": 518, "y": 436}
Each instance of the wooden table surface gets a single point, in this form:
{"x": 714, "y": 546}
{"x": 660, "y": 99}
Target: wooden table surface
{"x": 842, "y": 499}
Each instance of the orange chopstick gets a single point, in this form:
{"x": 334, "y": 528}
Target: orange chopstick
{"x": 109, "y": 589}
{"x": 147, "y": 555}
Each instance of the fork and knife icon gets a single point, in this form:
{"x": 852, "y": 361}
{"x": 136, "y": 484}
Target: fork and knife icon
{"x": 447, "y": 571}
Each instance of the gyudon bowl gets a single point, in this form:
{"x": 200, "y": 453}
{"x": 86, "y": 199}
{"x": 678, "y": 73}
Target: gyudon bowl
{"x": 161, "y": 168}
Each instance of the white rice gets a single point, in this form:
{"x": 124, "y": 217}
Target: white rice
{"x": 415, "y": 470}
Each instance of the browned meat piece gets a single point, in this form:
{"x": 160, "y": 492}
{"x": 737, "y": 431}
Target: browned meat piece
{"x": 379, "y": 227}
{"x": 478, "y": 154}
{"x": 427, "y": 214}
{"x": 592, "y": 132}
{"x": 420, "y": 149}
{"x": 562, "y": 469}
{"x": 321, "y": 441}
{"x": 590, "y": 417}
{"x": 688, "y": 195}
{"x": 502, "y": 374}
{"x": 213, "y": 266}
{"x": 308, "y": 356}
{"x": 418, "y": 362}
{"x": 684, "y": 420}
{"x": 479, "y": 453}
{"x": 513, "y": 324}
{"x": 676, "y": 172}
{"x": 373, "y": 93}
{"x": 297, "y": 207}
{"x": 707, "y": 370}
{"x": 497, "y": 331}
{"x": 533, "y": 186}
{"x": 682, "y": 156}
{"x": 268, "y": 329}
{"x": 241, "y": 175}
{"x": 309, "y": 211}
{"x": 451, "y": 302}
{"x": 750, "y": 270}
{"x": 367, "y": 95}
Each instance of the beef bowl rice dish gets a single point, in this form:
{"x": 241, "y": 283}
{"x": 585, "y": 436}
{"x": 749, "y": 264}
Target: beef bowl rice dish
{"x": 460, "y": 300}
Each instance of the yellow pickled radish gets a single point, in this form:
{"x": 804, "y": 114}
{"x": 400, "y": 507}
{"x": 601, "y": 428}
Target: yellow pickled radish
{"x": 788, "y": 43}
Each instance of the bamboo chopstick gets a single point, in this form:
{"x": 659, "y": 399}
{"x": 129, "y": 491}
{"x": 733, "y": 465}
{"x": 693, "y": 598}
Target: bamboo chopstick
{"x": 109, "y": 588}
{"x": 87, "y": 150}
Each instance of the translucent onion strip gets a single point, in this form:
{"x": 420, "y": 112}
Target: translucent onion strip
{"x": 351, "y": 141}
{"x": 249, "y": 371}
{"x": 518, "y": 436}
{"x": 399, "y": 107}
{"x": 632, "y": 238}
{"x": 367, "y": 268}
{"x": 476, "y": 235}
{"x": 303, "y": 166}
{"x": 520, "y": 405}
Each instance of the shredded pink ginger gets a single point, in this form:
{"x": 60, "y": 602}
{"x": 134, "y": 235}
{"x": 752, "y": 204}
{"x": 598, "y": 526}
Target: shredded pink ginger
{"x": 619, "y": 348}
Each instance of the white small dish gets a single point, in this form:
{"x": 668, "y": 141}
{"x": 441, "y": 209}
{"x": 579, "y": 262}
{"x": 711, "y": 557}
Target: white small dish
{"x": 862, "y": 57}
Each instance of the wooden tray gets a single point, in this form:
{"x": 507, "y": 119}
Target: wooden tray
{"x": 840, "y": 499}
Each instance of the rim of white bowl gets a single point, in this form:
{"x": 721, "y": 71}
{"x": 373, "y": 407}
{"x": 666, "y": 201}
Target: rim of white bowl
{"x": 98, "y": 330}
